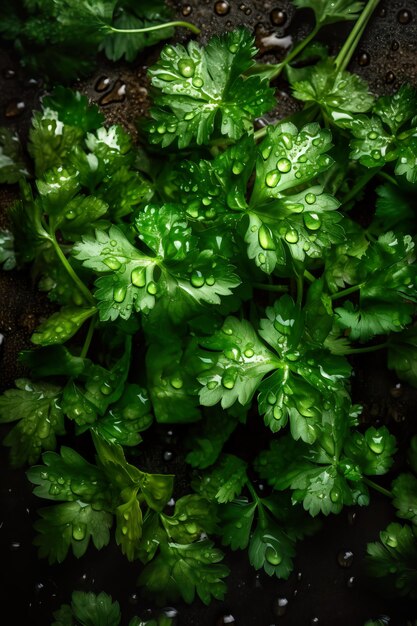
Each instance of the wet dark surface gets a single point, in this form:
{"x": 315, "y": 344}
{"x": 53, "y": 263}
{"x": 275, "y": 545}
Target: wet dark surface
{"x": 329, "y": 585}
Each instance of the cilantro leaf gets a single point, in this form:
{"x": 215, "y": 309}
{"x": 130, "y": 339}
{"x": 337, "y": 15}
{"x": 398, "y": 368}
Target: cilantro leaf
{"x": 395, "y": 558}
{"x": 339, "y": 94}
{"x": 41, "y": 419}
{"x": 202, "y": 91}
{"x": 184, "y": 570}
{"x": 224, "y": 482}
{"x": 12, "y": 165}
{"x": 70, "y": 525}
{"x": 330, "y": 11}
{"x": 89, "y": 609}
{"x": 235, "y": 363}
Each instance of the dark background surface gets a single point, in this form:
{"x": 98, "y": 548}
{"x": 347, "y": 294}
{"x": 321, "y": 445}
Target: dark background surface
{"x": 327, "y": 587}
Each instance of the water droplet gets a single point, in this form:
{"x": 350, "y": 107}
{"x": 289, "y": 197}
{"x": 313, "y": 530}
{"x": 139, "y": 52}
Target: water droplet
{"x": 376, "y": 155}
{"x": 15, "y": 545}
{"x": 265, "y": 238}
{"x": 102, "y": 84}
{"x": 375, "y": 442}
{"x": 232, "y": 353}
{"x": 390, "y": 540}
{"x": 312, "y": 221}
{"x": 138, "y": 277}
{"x": 397, "y": 391}
{"x": 186, "y": 10}
{"x": 233, "y": 48}
{"x": 249, "y": 353}
{"x": 152, "y": 288}
{"x": 364, "y": 59}
{"x": 278, "y": 17}
{"x": 351, "y": 582}
{"x": 404, "y": 16}
{"x": 78, "y": 531}
{"x": 168, "y": 455}
{"x": 345, "y": 558}
{"x": 225, "y": 620}
{"x": 197, "y": 82}
{"x": 186, "y": 67}
{"x": 389, "y": 78}
{"x": 266, "y": 152}
{"x": 310, "y": 198}
{"x": 212, "y": 385}
{"x": 227, "y": 330}
{"x": 133, "y": 598}
{"x": 291, "y": 236}
{"x": 272, "y": 178}
{"x": 277, "y": 413}
{"x": 14, "y": 108}
{"x": 113, "y": 263}
{"x": 222, "y": 7}
{"x": 229, "y": 379}
{"x": 119, "y": 293}
{"x": 314, "y": 621}
{"x": 237, "y": 168}
{"x": 177, "y": 382}
{"x": 280, "y": 607}
{"x": 197, "y": 279}
{"x": 9, "y": 74}
{"x": 210, "y": 281}
{"x": 395, "y": 46}
{"x": 54, "y": 490}
{"x": 284, "y": 165}
{"x": 272, "y": 556}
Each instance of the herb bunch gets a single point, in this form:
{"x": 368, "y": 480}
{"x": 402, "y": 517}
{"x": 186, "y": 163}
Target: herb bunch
{"x": 228, "y": 264}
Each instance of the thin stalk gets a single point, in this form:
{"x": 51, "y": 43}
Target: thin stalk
{"x": 379, "y": 346}
{"x": 84, "y": 290}
{"x": 294, "y": 52}
{"x": 148, "y": 29}
{"x": 349, "y": 47}
{"x": 268, "y": 287}
{"x": 88, "y": 338}
{"x": 389, "y": 178}
{"x": 377, "y": 487}
{"x": 309, "y": 276}
{"x": 261, "y": 133}
{"x": 360, "y": 184}
{"x": 300, "y": 285}
{"x": 346, "y": 292}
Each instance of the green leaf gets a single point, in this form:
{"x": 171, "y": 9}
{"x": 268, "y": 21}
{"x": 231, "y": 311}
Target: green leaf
{"x": 61, "y": 326}
{"x": 184, "y": 570}
{"x": 70, "y": 525}
{"x": 73, "y": 108}
{"x": 129, "y": 526}
{"x": 68, "y": 476}
{"x": 224, "y": 482}
{"x": 404, "y": 490}
{"x": 372, "y": 451}
{"x": 52, "y": 361}
{"x": 236, "y": 523}
{"x": 12, "y": 165}
{"x": 207, "y": 440}
{"x": 7, "y": 252}
{"x": 271, "y": 549}
{"x": 37, "y": 407}
{"x": 395, "y": 559}
{"x": 94, "y": 610}
{"x": 235, "y": 363}
{"x": 192, "y": 516}
{"x": 330, "y": 11}
{"x": 394, "y": 210}
{"x": 339, "y": 94}
{"x": 203, "y": 92}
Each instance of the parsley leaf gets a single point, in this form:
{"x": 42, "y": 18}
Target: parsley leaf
{"x": 330, "y": 11}
{"x": 224, "y": 482}
{"x": 202, "y": 91}
{"x": 402, "y": 355}
{"x": 89, "y": 609}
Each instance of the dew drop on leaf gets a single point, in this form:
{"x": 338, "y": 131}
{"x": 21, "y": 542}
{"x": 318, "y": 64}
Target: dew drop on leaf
{"x": 138, "y": 277}
{"x": 272, "y": 556}
{"x": 284, "y": 165}
{"x": 272, "y": 178}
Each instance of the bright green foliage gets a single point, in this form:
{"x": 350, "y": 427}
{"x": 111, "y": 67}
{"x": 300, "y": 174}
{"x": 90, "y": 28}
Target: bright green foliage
{"x": 224, "y": 482}
{"x": 340, "y": 95}
{"x": 61, "y": 38}
{"x": 389, "y": 134}
{"x": 187, "y": 275}
{"x": 37, "y": 409}
{"x": 7, "y": 253}
{"x": 235, "y": 363}
{"x": 88, "y": 609}
{"x": 395, "y": 559}
{"x": 328, "y": 475}
{"x": 387, "y": 274}
{"x": 330, "y": 11}
{"x": 61, "y": 326}
{"x": 12, "y": 166}
{"x": 203, "y": 92}
{"x": 192, "y": 516}
{"x": 186, "y": 570}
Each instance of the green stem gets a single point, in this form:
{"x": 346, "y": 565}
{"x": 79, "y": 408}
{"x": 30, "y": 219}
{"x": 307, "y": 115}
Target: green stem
{"x": 361, "y": 183}
{"x": 268, "y": 287}
{"x": 294, "y": 52}
{"x": 88, "y": 338}
{"x": 309, "y": 276}
{"x": 148, "y": 29}
{"x": 379, "y": 346}
{"x": 377, "y": 487}
{"x": 261, "y": 133}
{"x": 349, "y": 47}
{"x": 84, "y": 290}
{"x": 346, "y": 292}
{"x": 389, "y": 178}
{"x": 300, "y": 285}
